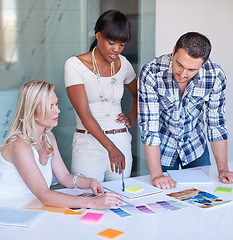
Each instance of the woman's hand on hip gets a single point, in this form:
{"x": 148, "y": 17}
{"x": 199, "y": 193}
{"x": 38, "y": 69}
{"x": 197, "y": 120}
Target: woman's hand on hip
{"x": 121, "y": 118}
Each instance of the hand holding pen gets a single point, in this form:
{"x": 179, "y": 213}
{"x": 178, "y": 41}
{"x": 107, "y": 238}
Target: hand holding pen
{"x": 123, "y": 182}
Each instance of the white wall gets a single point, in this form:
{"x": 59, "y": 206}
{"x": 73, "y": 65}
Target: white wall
{"x": 213, "y": 18}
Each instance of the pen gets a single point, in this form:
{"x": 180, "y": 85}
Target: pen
{"x": 128, "y": 203}
{"x": 123, "y": 182}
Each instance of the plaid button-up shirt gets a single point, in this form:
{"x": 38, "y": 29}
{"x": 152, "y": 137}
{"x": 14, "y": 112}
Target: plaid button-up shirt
{"x": 175, "y": 121}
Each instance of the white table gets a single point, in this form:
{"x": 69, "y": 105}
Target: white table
{"x": 187, "y": 223}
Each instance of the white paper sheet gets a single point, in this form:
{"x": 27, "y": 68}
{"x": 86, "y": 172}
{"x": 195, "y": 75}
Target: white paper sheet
{"x": 116, "y": 186}
{"x": 189, "y": 176}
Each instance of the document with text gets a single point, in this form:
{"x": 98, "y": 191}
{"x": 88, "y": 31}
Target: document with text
{"x": 20, "y": 217}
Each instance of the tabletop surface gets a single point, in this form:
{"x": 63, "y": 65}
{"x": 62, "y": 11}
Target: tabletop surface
{"x": 190, "y": 222}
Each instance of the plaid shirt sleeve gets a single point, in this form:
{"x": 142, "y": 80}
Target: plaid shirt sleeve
{"x": 148, "y": 106}
{"x": 216, "y": 123}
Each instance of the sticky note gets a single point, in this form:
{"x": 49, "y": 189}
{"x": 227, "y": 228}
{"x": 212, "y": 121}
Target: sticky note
{"x": 223, "y": 190}
{"x": 133, "y": 189}
{"x": 111, "y": 233}
{"x": 70, "y": 212}
{"x": 51, "y": 209}
{"x": 92, "y": 217}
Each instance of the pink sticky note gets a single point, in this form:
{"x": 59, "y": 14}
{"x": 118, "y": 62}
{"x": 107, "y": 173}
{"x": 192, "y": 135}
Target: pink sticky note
{"x": 92, "y": 217}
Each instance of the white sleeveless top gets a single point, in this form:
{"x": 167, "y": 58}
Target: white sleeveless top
{"x": 105, "y": 113}
{"x": 11, "y": 181}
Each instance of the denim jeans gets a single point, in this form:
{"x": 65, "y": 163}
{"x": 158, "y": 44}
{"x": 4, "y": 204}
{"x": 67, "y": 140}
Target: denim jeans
{"x": 203, "y": 160}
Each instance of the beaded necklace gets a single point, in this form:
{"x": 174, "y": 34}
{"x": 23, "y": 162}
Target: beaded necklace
{"x": 100, "y": 87}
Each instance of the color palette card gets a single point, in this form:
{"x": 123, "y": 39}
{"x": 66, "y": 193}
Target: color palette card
{"x": 167, "y": 205}
{"x": 157, "y": 207}
{"x": 120, "y": 212}
{"x": 116, "y": 186}
{"x": 130, "y": 209}
{"x": 179, "y": 205}
{"x": 92, "y": 217}
{"x": 145, "y": 209}
{"x": 111, "y": 233}
{"x": 223, "y": 190}
{"x": 163, "y": 206}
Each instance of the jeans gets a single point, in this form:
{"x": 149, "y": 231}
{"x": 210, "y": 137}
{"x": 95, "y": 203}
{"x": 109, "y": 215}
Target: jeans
{"x": 203, "y": 160}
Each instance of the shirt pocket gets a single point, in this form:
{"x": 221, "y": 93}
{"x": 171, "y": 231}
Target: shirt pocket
{"x": 167, "y": 104}
{"x": 194, "y": 104}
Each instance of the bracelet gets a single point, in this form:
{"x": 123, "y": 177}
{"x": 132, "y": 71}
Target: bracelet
{"x": 75, "y": 178}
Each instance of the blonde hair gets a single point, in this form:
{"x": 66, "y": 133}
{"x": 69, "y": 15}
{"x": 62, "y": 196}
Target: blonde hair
{"x": 31, "y": 94}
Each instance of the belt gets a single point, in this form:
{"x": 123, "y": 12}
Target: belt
{"x": 113, "y": 131}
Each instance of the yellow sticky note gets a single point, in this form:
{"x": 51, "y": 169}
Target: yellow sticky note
{"x": 111, "y": 233}
{"x": 133, "y": 189}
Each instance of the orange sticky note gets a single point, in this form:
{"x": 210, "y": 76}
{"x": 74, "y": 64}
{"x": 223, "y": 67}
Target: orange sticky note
{"x": 49, "y": 209}
{"x": 111, "y": 233}
{"x": 37, "y": 205}
{"x": 70, "y": 212}
{"x": 53, "y": 209}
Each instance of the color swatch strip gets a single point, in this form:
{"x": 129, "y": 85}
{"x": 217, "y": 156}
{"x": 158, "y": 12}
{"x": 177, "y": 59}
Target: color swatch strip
{"x": 145, "y": 209}
{"x": 177, "y": 204}
{"x": 130, "y": 209}
{"x": 162, "y": 206}
{"x": 167, "y": 205}
{"x": 120, "y": 212}
{"x": 157, "y": 207}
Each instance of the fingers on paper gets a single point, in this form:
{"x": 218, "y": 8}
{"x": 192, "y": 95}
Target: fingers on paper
{"x": 164, "y": 182}
{"x": 98, "y": 189}
{"x": 112, "y": 200}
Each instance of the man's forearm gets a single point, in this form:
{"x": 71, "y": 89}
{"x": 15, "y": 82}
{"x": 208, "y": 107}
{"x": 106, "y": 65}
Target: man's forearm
{"x": 153, "y": 160}
{"x": 219, "y": 149}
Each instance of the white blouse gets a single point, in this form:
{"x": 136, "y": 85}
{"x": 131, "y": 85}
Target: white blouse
{"x": 105, "y": 113}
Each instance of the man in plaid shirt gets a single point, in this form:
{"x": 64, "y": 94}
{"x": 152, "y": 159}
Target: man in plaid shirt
{"x": 177, "y": 93}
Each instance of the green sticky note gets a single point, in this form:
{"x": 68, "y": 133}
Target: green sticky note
{"x": 223, "y": 190}
{"x": 133, "y": 189}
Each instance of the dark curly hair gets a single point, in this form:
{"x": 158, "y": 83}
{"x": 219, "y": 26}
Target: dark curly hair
{"x": 195, "y": 44}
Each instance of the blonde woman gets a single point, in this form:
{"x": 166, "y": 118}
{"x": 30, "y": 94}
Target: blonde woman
{"x": 30, "y": 154}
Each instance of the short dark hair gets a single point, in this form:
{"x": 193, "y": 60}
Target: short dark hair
{"x": 114, "y": 26}
{"x": 195, "y": 44}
